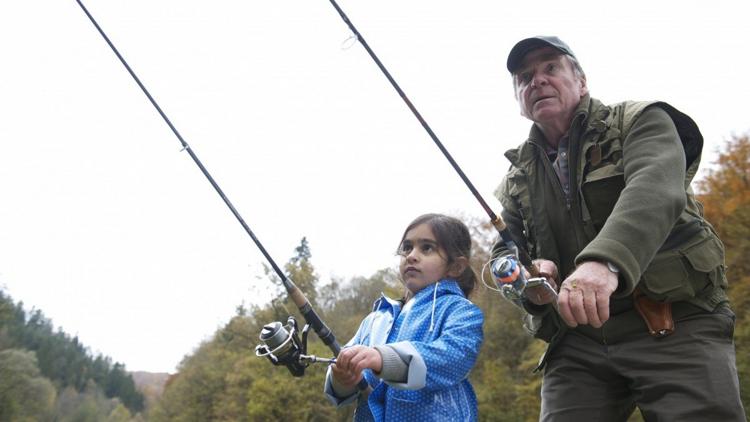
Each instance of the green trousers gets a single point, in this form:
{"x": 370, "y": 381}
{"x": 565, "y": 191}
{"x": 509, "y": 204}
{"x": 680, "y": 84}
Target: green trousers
{"x": 689, "y": 375}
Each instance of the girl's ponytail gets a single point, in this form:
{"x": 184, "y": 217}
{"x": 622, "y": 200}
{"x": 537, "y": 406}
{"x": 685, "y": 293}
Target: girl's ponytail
{"x": 467, "y": 280}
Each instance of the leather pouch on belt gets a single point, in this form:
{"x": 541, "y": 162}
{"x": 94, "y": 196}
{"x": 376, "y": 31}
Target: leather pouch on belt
{"x": 656, "y": 315}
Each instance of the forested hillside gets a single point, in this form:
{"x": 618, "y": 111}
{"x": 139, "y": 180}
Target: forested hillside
{"x": 47, "y": 375}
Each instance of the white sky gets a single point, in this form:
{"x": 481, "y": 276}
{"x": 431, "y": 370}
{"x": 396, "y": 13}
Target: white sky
{"x": 115, "y": 234}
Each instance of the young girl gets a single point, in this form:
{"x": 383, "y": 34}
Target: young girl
{"x": 416, "y": 356}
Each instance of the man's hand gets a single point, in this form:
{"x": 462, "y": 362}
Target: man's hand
{"x": 584, "y": 295}
{"x": 352, "y": 361}
{"x": 539, "y": 295}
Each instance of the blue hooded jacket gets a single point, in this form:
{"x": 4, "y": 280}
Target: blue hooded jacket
{"x": 438, "y": 333}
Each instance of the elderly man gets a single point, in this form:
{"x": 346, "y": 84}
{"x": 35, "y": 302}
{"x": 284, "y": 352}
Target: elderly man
{"x": 601, "y": 196}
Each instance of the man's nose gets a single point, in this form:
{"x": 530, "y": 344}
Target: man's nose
{"x": 538, "y": 80}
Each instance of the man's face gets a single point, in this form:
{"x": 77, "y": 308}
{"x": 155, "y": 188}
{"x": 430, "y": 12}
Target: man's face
{"x": 547, "y": 87}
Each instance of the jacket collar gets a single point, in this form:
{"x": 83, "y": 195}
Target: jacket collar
{"x": 384, "y": 302}
{"x": 442, "y": 287}
{"x": 526, "y": 152}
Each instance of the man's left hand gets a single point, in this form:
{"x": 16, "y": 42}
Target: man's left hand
{"x": 584, "y": 295}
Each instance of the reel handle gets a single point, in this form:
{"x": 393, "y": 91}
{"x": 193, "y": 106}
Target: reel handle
{"x": 544, "y": 284}
{"x": 511, "y": 278}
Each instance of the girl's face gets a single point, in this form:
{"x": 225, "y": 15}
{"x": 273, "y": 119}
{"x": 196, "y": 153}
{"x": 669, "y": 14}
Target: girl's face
{"x": 423, "y": 262}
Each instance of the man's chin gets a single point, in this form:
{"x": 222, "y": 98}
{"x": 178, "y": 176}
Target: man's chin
{"x": 545, "y": 114}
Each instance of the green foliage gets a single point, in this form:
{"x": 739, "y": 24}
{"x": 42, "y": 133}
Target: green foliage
{"x": 497, "y": 396}
{"x": 24, "y": 394}
{"x": 276, "y": 395}
{"x": 118, "y": 383}
{"x": 91, "y": 404}
{"x": 120, "y": 414}
{"x": 193, "y": 394}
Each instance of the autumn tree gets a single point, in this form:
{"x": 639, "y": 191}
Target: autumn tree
{"x": 725, "y": 194}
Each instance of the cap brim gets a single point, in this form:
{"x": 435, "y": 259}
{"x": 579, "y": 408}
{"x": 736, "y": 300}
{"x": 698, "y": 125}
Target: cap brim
{"x": 523, "y": 47}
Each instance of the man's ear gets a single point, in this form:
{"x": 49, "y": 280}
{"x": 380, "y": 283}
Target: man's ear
{"x": 458, "y": 266}
{"x": 584, "y": 85}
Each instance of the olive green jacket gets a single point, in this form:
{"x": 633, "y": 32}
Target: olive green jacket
{"x": 630, "y": 203}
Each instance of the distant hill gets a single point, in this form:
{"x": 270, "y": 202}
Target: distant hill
{"x": 150, "y": 384}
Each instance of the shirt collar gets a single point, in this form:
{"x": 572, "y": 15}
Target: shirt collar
{"x": 581, "y": 113}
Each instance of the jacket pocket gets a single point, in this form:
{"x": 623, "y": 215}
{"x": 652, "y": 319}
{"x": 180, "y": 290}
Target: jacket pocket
{"x": 406, "y": 397}
{"x": 684, "y": 273}
{"x": 603, "y": 178}
{"x": 601, "y": 190}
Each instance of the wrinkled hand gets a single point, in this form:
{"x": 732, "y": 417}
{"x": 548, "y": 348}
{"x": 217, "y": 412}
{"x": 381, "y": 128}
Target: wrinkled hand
{"x": 584, "y": 295}
{"x": 539, "y": 295}
{"x": 352, "y": 361}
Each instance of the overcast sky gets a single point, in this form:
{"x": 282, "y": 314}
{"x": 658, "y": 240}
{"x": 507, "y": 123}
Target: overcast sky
{"x": 115, "y": 234}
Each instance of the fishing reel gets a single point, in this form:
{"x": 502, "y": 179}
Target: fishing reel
{"x": 283, "y": 346}
{"x": 512, "y": 282}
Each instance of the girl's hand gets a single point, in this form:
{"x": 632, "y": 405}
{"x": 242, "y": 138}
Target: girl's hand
{"x": 352, "y": 361}
{"x": 345, "y": 378}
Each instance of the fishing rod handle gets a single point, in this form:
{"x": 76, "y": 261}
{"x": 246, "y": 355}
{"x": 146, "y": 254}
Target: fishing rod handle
{"x": 321, "y": 329}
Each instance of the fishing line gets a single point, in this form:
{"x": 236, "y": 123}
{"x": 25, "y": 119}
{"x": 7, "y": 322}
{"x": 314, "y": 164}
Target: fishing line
{"x": 496, "y": 220}
{"x": 312, "y": 318}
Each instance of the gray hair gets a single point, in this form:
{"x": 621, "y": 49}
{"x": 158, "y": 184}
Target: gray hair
{"x": 577, "y": 69}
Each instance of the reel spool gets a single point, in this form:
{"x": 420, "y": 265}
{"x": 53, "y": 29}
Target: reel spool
{"x": 282, "y": 346}
{"x": 509, "y": 278}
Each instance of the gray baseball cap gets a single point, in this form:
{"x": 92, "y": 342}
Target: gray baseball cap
{"x": 525, "y": 46}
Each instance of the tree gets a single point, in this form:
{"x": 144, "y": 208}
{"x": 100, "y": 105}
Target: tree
{"x": 119, "y": 383}
{"x": 725, "y": 194}
{"x": 120, "y": 414}
{"x": 24, "y": 394}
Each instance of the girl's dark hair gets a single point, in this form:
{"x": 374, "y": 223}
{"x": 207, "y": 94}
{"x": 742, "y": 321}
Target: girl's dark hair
{"x": 453, "y": 237}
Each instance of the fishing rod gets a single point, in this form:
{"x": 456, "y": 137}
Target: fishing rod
{"x": 504, "y": 271}
{"x": 496, "y": 220}
{"x": 292, "y": 355}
